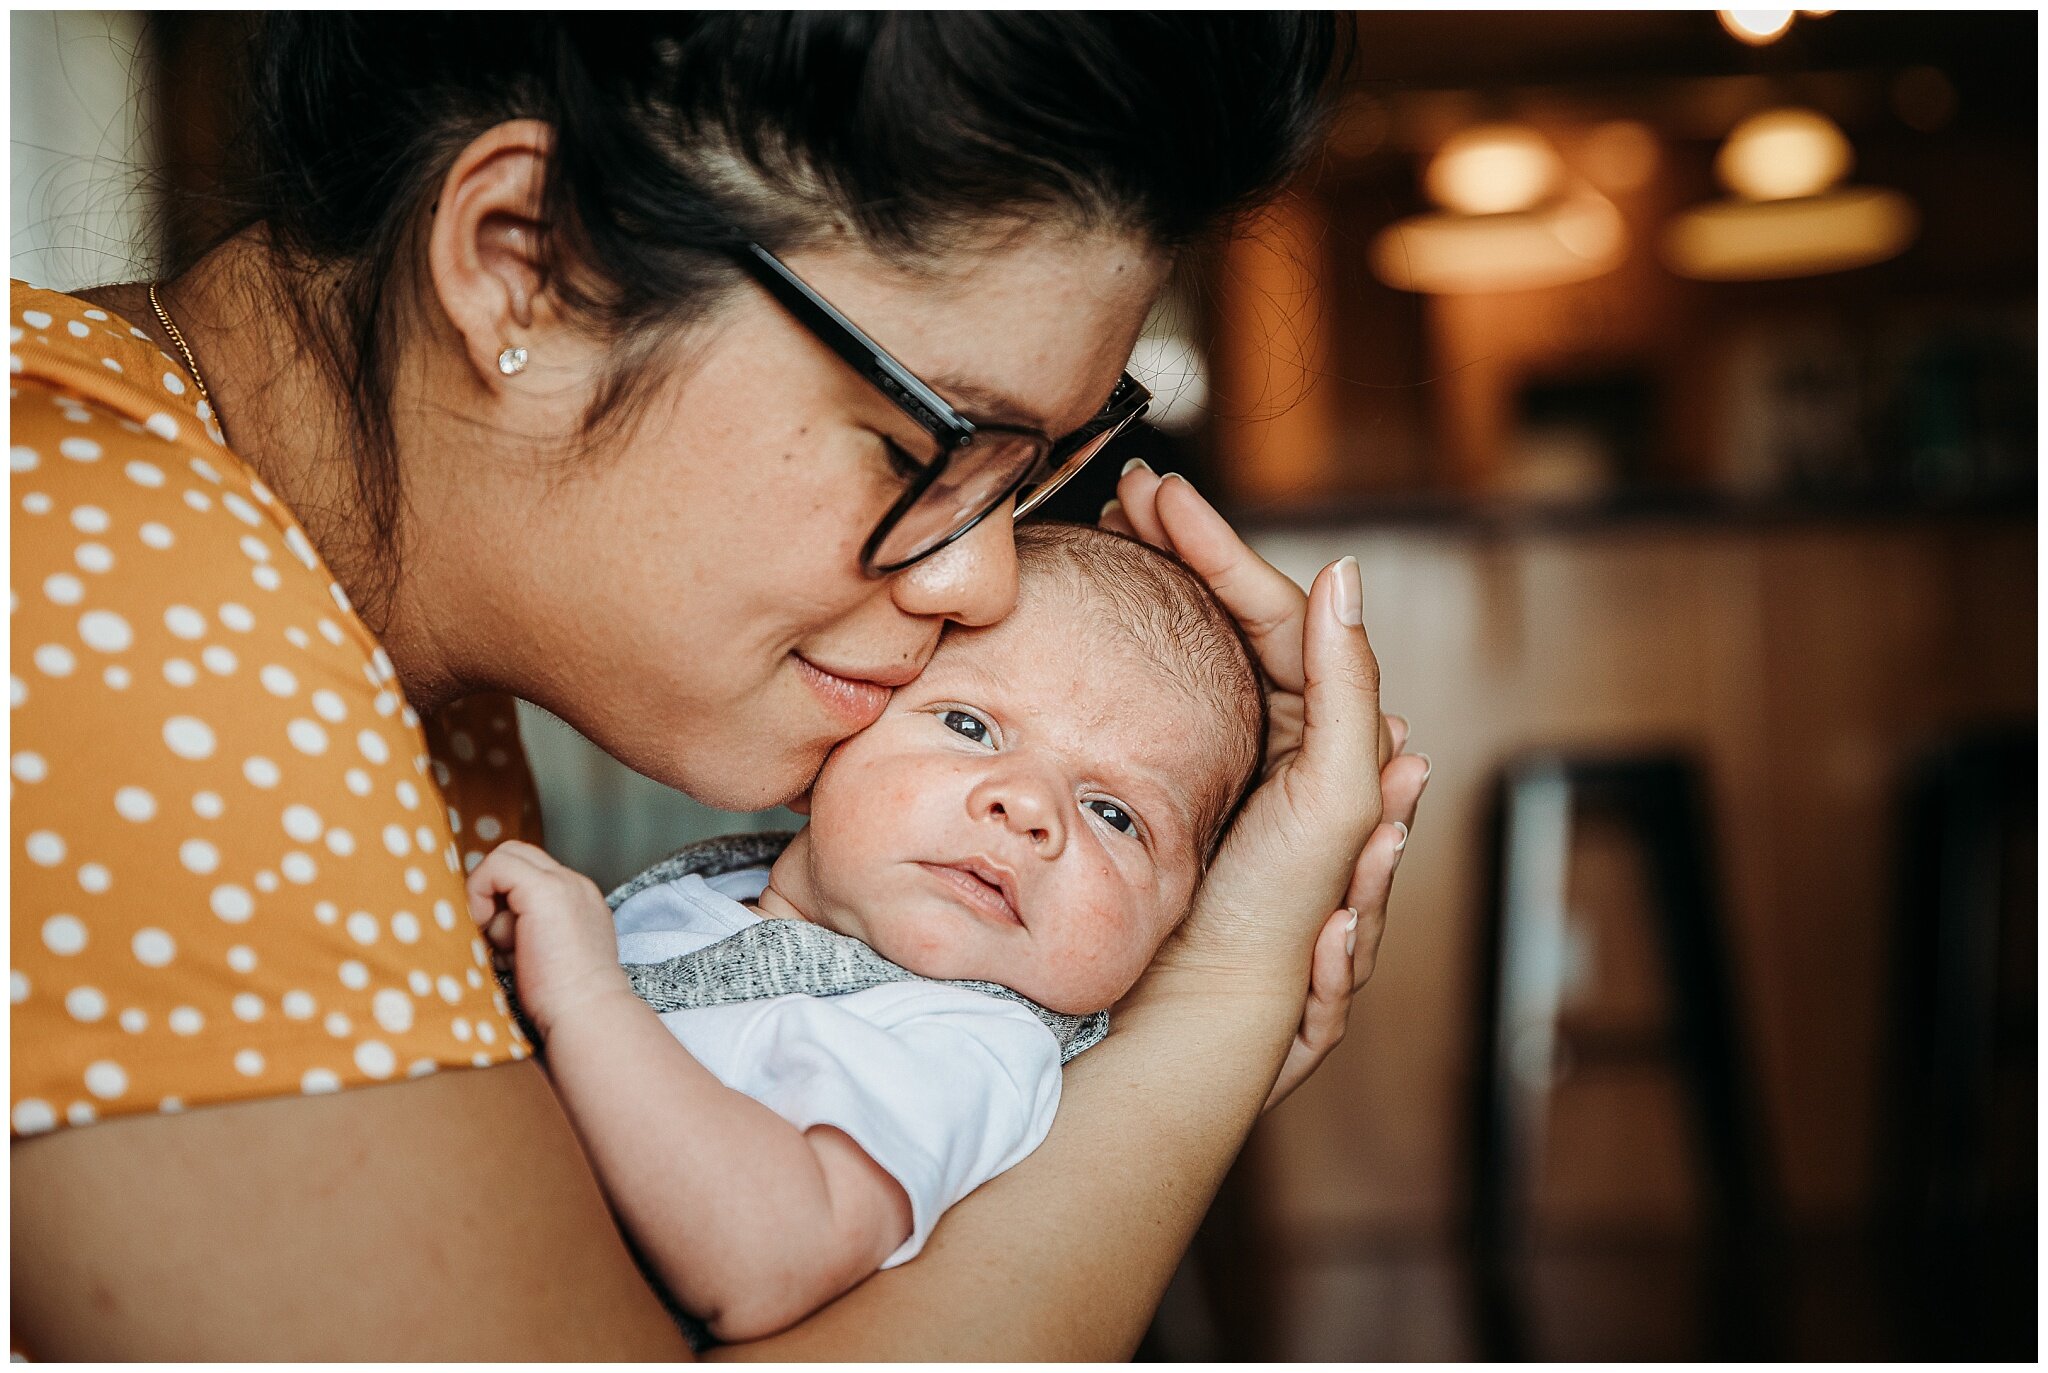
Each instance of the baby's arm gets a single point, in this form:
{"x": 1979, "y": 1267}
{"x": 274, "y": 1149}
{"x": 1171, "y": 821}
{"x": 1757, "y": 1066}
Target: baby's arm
{"x": 750, "y": 1221}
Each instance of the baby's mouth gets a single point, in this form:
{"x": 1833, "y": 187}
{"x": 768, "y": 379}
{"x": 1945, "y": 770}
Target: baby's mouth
{"x": 982, "y": 887}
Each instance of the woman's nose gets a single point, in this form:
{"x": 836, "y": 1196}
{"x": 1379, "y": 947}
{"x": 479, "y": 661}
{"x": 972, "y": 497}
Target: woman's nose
{"x": 972, "y": 580}
{"x": 1026, "y": 805}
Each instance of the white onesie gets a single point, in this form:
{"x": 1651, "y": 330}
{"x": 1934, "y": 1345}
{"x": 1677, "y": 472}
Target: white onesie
{"x": 943, "y": 1086}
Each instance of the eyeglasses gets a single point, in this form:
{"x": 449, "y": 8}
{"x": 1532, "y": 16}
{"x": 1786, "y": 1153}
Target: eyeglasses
{"x": 977, "y": 466}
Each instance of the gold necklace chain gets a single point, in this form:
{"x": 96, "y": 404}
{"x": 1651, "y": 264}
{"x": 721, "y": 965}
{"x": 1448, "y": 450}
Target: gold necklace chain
{"x": 177, "y": 337}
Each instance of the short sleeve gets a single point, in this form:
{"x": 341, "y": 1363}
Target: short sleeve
{"x": 235, "y": 872}
{"x": 943, "y": 1087}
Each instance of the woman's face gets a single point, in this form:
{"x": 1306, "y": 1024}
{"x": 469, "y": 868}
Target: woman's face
{"x": 692, "y": 597}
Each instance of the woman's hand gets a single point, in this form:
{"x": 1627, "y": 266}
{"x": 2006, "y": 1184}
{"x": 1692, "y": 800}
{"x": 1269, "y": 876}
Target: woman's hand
{"x": 1170, "y": 514}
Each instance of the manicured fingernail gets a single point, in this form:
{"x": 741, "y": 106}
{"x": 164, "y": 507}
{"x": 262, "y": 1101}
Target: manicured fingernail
{"x": 1351, "y": 934}
{"x": 1402, "y": 842}
{"x": 1110, "y": 507}
{"x": 1350, "y": 592}
{"x": 1133, "y": 465}
{"x": 1427, "y": 766}
{"x": 1406, "y": 730}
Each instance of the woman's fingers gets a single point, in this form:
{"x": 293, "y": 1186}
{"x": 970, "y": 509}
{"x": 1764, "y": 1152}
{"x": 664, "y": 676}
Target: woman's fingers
{"x": 1327, "y": 1011}
{"x": 1258, "y": 595}
{"x": 1339, "y": 761}
{"x": 1137, "y": 489}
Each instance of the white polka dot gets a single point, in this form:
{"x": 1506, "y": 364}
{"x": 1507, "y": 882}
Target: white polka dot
{"x": 415, "y": 881}
{"x": 55, "y": 660}
{"x": 37, "y": 503}
{"x": 387, "y": 701}
{"x": 135, "y": 1020}
{"x": 488, "y": 828}
{"x": 450, "y": 989}
{"x": 157, "y": 535}
{"x": 116, "y": 677}
{"x": 395, "y": 840}
{"x": 444, "y": 915}
{"x": 362, "y": 927}
{"x": 297, "y": 636}
{"x": 278, "y": 681}
{"x": 319, "y": 1080}
{"x": 36, "y": 319}
{"x": 94, "y": 557}
{"x": 328, "y": 706}
{"x": 185, "y": 622}
{"x": 17, "y": 985}
{"x": 198, "y": 856}
{"x": 98, "y": 314}
{"x": 162, "y": 425}
{"x": 255, "y": 548}
{"x": 95, "y": 878}
{"x": 219, "y": 661}
{"x": 86, "y": 1004}
{"x": 77, "y": 329}
{"x": 326, "y": 912}
{"x": 186, "y": 1020}
{"x": 338, "y": 1024}
{"x": 232, "y": 903}
{"x": 485, "y": 1032}
{"x": 29, "y": 767}
{"x": 464, "y": 746}
{"x": 298, "y": 867}
{"x": 105, "y": 631}
{"x": 106, "y": 1080}
{"x": 340, "y": 842}
{"x": 199, "y": 501}
{"x": 460, "y": 1029}
{"x": 373, "y": 746}
{"x": 89, "y": 519}
{"x": 153, "y": 948}
{"x": 17, "y": 691}
{"x": 405, "y": 927}
{"x": 376, "y": 1059}
{"x": 46, "y": 847}
{"x": 145, "y": 474}
{"x": 133, "y": 803}
{"x": 358, "y": 781}
{"x": 248, "y": 1007}
{"x": 188, "y": 738}
{"x": 241, "y": 509}
{"x": 237, "y": 617}
{"x": 297, "y": 1005}
{"x": 174, "y": 383}
{"x": 170, "y": 1105}
{"x": 179, "y": 672}
{"x": 63, "y": 934}
{"x": 24, "y": 459}
{"x": 265, "y": 880}
{"x": 340, "y": 597}
{"x": 261, "y": 772}
{"x": 33, "y": 1117}
{"x": 205, "y": 469}
{"x": 295, "y": 539}
{"x": 242, "y": 959}
{"x": 330, "y": 631}
{"x": 424, "y": 837}
{"x": 249, "y": 1063}
{"x": 207, "y": 805}
{"x": 393, "y": 1010}
{"x": 302, "y": 823}
{"x": 81, "y": 1113}
{"x": 79, "y": 449}
{"x": 306, "y": 737}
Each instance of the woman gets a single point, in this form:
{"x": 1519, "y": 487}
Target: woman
{"x": 517, "y": 383}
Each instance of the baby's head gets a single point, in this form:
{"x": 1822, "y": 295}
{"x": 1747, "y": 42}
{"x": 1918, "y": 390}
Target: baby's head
{"x": 1036, "y": 808}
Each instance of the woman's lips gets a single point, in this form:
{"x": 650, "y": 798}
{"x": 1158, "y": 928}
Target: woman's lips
{"x": 975, "y": 893}
{"x": 857, "y": 702}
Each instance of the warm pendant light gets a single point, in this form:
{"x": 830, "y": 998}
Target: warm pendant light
{"x": 1788, "y": 217}
{"x": 1505, "y": 225}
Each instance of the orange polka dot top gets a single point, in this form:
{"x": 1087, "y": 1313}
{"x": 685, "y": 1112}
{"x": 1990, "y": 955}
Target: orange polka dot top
{"x": 238, "y": 855}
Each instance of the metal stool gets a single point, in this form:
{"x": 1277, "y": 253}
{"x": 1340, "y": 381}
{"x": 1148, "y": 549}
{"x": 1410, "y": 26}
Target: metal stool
{"x": 1659, "y": 799}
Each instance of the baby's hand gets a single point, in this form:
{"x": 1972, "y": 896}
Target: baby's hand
{"x": 554, "y": 927}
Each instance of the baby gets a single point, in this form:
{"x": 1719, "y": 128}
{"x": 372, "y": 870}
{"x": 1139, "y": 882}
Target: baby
{"x": 1033, "y": 811}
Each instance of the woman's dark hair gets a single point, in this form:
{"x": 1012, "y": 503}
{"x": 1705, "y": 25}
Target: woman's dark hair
{"x": 680, "y": 135}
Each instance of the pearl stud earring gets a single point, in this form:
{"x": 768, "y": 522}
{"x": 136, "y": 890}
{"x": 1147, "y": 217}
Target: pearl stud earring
{"x": 513, "y": 360}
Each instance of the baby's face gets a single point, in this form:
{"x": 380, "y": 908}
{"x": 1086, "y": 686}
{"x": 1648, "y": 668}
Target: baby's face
{"x": 1024, "y": 812}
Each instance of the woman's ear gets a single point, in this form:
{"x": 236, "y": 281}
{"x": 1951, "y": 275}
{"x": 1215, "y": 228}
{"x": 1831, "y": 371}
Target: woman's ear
{"x": 485, "y": 241}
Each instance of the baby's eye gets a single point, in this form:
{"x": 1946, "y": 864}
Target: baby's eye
{"x": 965, "y": 725}
{"x": 1113, "y": 815}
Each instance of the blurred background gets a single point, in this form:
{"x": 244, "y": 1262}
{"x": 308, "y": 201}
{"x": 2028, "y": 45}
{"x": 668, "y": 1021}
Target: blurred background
{"x": 1673, "y": 378}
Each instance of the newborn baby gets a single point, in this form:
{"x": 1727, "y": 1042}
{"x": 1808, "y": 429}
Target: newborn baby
{"x": 1033, "y": 811}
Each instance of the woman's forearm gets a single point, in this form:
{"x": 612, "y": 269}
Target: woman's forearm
{"x": 1066, "y": 1255}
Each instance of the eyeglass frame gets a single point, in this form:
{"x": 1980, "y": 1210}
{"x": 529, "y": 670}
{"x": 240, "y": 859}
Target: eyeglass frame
{"x": 951, "y": 430}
